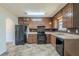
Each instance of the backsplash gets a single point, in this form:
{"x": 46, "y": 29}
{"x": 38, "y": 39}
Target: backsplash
{"x": 47, "y": 30}
{"x": 73, "y": 31}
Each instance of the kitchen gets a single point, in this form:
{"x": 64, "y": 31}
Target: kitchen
{"x": 60, "y": 30}
{"x": 52, "y": 26}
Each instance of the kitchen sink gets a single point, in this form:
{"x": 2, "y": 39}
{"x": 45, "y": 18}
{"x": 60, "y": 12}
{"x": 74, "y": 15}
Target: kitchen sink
{"x": 59, "y": 34}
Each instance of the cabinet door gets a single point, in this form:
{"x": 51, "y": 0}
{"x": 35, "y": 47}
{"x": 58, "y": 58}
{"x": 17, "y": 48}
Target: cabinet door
{"x": 55, "y": 23}
{"x": 21, "y": 20}
{"x": 67, "y": 16}
{"x": 76, "y": 15}
{"x": 30, "y": 39}
{"x": 53, "y": 40}
{"x": 71, "y": 47}
{"x": 48, "y": 38}
{"x": 34, "y": 38}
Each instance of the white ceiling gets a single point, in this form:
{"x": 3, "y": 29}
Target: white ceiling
{"x": 19, "y": 9}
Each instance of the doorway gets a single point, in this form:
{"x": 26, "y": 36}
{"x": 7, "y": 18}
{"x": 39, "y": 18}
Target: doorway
{"x": 10, "y": 31}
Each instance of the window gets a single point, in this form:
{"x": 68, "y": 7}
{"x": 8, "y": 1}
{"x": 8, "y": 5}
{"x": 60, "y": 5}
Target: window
{"x": 60, "y": 25}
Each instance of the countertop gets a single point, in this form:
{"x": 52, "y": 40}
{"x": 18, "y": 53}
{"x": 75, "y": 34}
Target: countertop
{"x": 60, "y": 35}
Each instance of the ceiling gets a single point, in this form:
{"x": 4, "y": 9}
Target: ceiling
{"x": 18, "y": 9}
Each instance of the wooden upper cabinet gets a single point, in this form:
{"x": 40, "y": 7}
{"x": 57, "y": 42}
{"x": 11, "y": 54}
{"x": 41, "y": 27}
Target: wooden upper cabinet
{"x": 76, "y": 15}
{"x": 22, "y": 20}
{"x": 54, "y": 23}
{"x": 59, "y": 14}
{"x": 55, "y": 19}
{"x": 70, "y": 16}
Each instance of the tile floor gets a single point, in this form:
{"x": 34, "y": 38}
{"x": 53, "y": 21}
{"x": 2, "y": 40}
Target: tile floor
{"x": 31, "y": 50}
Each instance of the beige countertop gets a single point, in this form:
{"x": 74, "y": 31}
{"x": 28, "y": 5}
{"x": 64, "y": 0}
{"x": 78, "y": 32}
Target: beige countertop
{"x": 65, "y": 35}
{"x": 61, "y": 35}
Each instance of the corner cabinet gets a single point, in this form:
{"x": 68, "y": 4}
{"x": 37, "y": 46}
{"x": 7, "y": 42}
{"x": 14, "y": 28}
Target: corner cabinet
{"x": 55, "y": 19}
{"x": 70, "y": 16}
{"x": 55, "y": 23}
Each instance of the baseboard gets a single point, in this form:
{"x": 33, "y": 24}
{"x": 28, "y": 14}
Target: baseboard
{"x": 1, "y": 53}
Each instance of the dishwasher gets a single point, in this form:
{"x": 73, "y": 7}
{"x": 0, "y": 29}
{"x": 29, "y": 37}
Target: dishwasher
{"x": 60, "y": 46}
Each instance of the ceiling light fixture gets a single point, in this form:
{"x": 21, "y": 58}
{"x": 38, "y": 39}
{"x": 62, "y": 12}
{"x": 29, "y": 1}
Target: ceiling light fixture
{"x": 35, "y": 13}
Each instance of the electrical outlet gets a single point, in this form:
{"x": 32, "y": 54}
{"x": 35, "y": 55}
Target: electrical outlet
{"x": 76, "y": 31}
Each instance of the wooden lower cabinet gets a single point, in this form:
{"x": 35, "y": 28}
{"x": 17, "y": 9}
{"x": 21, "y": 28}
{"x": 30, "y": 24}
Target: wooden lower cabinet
{"x": 71, "y": 47}
{"x": 48, "y": 38}
{"x": 53, "y": 40}
{"x": 32, "y": 38}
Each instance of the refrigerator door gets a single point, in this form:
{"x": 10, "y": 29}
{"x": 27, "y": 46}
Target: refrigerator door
{"x": 19, "y": 34}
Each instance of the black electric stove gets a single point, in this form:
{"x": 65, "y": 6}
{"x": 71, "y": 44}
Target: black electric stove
{"x": 41, "y": 36}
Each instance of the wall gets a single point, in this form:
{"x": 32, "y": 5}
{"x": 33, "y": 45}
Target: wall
{"x": 4, "y": 15}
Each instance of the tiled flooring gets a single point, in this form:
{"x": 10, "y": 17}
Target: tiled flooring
{"x": 31, "y": 50}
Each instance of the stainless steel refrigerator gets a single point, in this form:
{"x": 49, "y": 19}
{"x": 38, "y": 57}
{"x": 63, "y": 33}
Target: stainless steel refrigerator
{"x": 20, "y": 34}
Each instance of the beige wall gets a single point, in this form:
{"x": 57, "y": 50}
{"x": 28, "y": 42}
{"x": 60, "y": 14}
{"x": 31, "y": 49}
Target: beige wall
{"x": 4, "y": 15}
